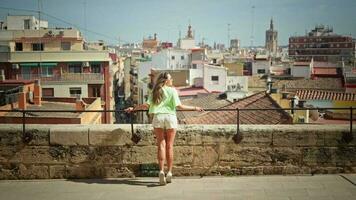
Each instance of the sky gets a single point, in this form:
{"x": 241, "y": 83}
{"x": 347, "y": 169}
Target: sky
{"x": 131, "y": 20}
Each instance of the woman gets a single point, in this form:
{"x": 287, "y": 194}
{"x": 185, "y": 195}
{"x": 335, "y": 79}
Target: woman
{"x": 162, "y": 103}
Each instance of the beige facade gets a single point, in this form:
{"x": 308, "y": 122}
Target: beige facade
{"x": 180, "y": 77}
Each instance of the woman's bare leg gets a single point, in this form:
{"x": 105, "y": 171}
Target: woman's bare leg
{"x": 161, "y": 147}
{"x": 170, "y": 135}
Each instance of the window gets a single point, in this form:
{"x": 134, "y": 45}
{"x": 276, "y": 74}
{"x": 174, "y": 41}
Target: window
{"x": 96, "y": 91}
{"x": 65, "y": 46}
{"x": 75, "y": 68}
{"x": 18, "y": 46}
{"x": 95, "y": 68}
{"x": 182, "y": 57}
{"x": 194, "y": 66}
{"x": 173, "y": 57}
{"x": 26, "y": 73}
{"x": 47, "y": 71}
{"x": 26, "y": 24}
{"x": 215, "y": 79}
{"x": 75, "y": 92}
{"x": 37, "y": 47}
{"x": 48, "y": 92}
{"x": 261, "y": 71}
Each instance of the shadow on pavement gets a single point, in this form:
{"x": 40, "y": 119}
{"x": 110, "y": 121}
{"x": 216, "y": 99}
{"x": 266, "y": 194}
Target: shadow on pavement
{"x": 135, "y": 182}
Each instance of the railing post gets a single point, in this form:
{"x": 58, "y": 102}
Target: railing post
{"x": 23, "y": 123}
{"x": 351, "y": 109}
{"x": 134, "y": 137}
{"x": 238, "y": 136}
{"x": 238, "y": 121}
{"x": 131, "y": 121}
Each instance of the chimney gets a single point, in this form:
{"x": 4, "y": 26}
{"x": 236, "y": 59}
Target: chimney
{"x": 2, "y": 75}
{"x": 269, "y": 85}
{"x": 37, "y": 93}
{"x": 79, "y": 104}
{"x": 155, "y": 36}
{"x": 22, "y": 100}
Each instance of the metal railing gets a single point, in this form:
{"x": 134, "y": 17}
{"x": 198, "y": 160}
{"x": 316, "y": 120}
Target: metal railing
{"x": 237, "y": 138}
{"x": 8, "y": 96}
{"x": 76, "y": 77}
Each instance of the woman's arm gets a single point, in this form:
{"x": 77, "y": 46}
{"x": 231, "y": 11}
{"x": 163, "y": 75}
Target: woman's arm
{"x": 184, "y": 107}
{"x": 144, "y": 106}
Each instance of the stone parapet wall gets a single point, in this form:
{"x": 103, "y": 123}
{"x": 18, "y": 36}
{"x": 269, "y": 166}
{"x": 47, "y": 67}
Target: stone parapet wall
{"x": 98, "y": 151}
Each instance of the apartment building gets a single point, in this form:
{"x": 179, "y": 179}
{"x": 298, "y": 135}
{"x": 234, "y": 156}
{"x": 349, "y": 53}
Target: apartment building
{"x": 322, "y": 44}
{"x": 57, "y": 57}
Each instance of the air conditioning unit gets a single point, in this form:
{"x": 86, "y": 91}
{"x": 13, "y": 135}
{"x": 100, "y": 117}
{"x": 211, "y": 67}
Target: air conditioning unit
{"x": 238, "y": 87}
{"x": 15, "y": 66}
{"x": 229, "y": 88}
{"x": 85, "y": 64}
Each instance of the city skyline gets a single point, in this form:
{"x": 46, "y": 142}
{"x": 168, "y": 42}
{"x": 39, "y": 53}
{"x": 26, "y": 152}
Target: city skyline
{"x": 132, "y": 21}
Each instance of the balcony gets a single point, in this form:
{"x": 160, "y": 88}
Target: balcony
{"x": 57, "y": 56}
{"x": 90, "y": 78}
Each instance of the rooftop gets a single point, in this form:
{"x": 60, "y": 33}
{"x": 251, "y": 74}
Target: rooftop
{"x": 332, "y": 84}
{"x": 325, "y": 71}
{"x": 46, "y": 105}
{"x": 207, "y": 101}
{"x": 325, "y": 95}
{"x": 258, "y": 100}
{"x": 191, "y": 91}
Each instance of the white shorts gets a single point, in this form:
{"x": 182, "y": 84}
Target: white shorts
{"x": 165, "y": 121}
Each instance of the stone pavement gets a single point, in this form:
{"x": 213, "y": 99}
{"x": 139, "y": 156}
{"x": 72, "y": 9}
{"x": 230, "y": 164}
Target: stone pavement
{"x": 277, "y": 187}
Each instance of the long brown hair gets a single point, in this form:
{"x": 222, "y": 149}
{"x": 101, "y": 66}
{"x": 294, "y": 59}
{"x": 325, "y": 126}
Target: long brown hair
{"x": 157, "y": 94}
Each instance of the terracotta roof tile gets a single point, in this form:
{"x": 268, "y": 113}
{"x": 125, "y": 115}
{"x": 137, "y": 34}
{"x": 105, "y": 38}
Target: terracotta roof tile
{"x": 325, "y": 95}
{"x": 334, "y": 84}
{"x": 207, "y": 101}
{"x": 258, "y": 100}
{"x": 325, "y": 71}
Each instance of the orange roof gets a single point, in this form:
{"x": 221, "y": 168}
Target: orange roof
{"x": 325, "y": 95}
{"x": 325, "y": 71}
{"x": 259, "y": 100}
{"x": 197, "y": 49}
{"x": 191, "y": 91}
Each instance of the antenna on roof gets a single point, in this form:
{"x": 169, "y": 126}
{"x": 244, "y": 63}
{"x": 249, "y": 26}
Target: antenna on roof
{"x": 228, "y": 35}
{"x": 253, "y": 24}
{"x": 180, "y": 32}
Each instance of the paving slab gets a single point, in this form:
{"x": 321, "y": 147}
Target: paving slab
{"x": 350, "y": 177}
{"x": 240, "y": 187}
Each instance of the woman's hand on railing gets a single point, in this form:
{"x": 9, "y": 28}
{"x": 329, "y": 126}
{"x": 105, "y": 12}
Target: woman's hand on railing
{"x": 197, "y": 108}
{"x": 129, "y": 109}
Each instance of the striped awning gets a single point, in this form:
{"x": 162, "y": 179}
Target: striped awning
{"x": 48, "y": 64}
{"x": 29, "y": 64}
{"x": 43, "y": 64}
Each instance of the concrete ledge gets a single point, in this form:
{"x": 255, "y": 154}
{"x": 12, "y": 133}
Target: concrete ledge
{"x": 105, "y": 151}
{"x": 69, "y": 135}
{"x": 109, "y": 136}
